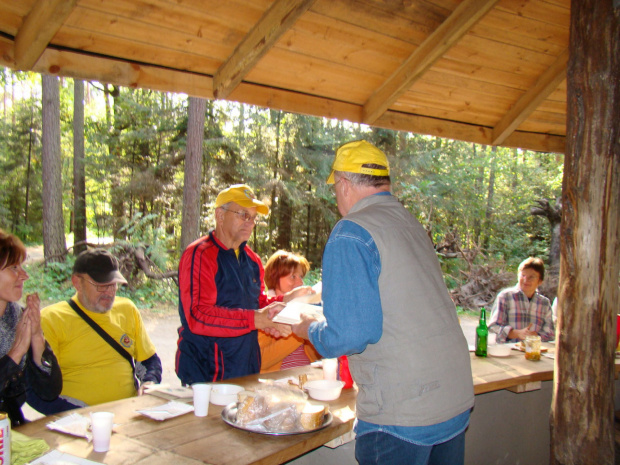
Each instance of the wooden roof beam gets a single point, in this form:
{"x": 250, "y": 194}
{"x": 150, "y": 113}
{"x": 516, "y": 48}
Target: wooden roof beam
{"x": 279, "y": 18}
{"x": 544, "y": 86}
{"x": 39, "y": 27}
{"x": 115, "y": 71}
{"x": 468, "y": 13}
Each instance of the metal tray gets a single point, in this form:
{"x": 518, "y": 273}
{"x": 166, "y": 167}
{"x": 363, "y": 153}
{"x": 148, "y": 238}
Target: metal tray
{"x": 229, "y": 415}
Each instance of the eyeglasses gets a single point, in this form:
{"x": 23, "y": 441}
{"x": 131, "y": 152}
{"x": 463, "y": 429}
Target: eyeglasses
{"x": 244, "y": 215}
{"x": 101, "y": 287}
{"x": 336, "y": 183}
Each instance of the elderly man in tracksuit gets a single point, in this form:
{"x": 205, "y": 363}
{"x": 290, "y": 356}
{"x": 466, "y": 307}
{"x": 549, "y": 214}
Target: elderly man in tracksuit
{"x": 222, "y": 300}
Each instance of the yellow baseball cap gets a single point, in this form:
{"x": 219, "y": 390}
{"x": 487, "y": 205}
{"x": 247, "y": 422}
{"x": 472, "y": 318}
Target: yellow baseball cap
{"x": 242, "y": 195}
{"x": 351, "y": 157}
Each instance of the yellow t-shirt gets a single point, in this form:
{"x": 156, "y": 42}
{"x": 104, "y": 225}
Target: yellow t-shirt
{"x": 92, "y": 371}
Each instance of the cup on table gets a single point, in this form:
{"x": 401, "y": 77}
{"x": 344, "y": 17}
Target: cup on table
{"x": 101, "y": 425}
{"x": 330, "y": 368}
{"x": 532, "y": 348}
{"x": 202, "y": 394}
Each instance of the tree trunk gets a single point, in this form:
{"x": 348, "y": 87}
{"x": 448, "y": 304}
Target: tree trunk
{"x": 553, "y": 213}
{"x": 117, "y": 195}
{"x": 79, "y": 180}
{"x": 54, "y": 245}
{"x": 582, "y": 424}
{"x": 488, "y": 215}
{"x": 29, "y": 168}
{"x": 190, "y": 222}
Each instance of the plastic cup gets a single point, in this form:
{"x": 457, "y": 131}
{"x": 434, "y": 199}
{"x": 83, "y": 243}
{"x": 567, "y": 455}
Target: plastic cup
{"x": 330, "y": 368}
{"x": 202, "y": 394}
{"x": 101, "y": 425}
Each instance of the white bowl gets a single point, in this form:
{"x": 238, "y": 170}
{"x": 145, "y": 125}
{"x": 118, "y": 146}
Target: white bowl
{"x": 324, "y": 389}
{"x": 224, "y": 394}
{"x": 499, "y": 350}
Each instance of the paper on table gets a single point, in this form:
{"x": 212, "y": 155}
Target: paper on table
{"x": 166, "y": 411}
{"x": 291, "y": 314}
{"x": 56, "y": 457}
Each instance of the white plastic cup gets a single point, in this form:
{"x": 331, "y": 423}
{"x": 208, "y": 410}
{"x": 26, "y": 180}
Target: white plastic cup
{"x": 202, "y": 394}
{"x": 101, "y": 425}
{"x": 330, "y": 368}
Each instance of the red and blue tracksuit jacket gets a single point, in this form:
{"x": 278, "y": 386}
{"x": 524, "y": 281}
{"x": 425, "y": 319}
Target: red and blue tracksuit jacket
{"x": 218, "y": 294}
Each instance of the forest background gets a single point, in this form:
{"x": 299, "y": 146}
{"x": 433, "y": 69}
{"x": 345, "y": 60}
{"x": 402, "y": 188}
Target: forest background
{"x": 485, "y": 208}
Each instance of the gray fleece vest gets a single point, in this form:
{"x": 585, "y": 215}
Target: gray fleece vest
{"x": 419, "y": 372}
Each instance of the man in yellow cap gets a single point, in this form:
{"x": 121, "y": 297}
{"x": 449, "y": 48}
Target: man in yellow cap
{"x": 386, "y": 306}
{"x": 222, "y": 300}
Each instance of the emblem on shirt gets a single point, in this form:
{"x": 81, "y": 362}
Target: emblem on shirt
{"x": 125, "y": 340}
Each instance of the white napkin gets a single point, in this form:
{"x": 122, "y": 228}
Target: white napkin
{"x": 166, "y": 411}
{"x": 73, "y": 424}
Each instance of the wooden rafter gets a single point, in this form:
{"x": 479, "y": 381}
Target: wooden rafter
{"x": 274, "y": 23}
{"x": 544, "y": 86}
{"x": 468, "y": 13}
{"x": 88, "y": 67}
{"x": 39, "y": 27}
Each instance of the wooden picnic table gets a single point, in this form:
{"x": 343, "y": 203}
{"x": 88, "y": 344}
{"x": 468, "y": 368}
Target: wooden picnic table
{"x": 191, "y": 440}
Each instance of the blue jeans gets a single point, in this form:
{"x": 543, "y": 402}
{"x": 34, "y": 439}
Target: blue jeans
{"x": 385, "y": 449}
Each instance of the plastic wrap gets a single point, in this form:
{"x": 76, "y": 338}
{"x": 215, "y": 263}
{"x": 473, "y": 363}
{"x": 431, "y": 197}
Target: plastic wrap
{"x": 273, "y": 408}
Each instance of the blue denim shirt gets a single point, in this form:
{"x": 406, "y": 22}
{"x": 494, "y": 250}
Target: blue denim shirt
{"x": 354, "y": 318}
{"x": 351, "y": 268}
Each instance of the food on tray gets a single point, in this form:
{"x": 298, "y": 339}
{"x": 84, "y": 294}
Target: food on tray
{"x": 278, "y": 409}
{"x": 312, "y": 416}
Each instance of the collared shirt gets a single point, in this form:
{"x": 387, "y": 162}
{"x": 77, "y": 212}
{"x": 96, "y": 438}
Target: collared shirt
{"x": 513, "y": 310}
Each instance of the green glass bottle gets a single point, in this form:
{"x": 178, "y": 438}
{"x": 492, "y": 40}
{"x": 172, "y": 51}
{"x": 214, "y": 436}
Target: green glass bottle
{"x": 482, "y": 335}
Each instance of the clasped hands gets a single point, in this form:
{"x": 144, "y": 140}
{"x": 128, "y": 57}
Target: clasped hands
{"x": 28, "y": 331}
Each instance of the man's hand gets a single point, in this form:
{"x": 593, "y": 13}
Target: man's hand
{"x": 263, "y": 317}
{"x": 142, "y": 388}
{"x": 297, "y": 292}
{"x": 522, "y": 333}
{"x": 301, "y": 329}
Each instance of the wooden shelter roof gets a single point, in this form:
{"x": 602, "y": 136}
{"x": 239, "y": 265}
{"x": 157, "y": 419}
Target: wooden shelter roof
{"x": 486, "y": 71}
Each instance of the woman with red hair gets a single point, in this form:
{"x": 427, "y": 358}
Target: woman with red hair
{"x": 284, "y": 272}
{"x": 26, "y": 360}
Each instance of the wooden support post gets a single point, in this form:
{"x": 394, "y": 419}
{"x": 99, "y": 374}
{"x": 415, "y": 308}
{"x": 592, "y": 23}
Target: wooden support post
{"x": 582, "y": 424}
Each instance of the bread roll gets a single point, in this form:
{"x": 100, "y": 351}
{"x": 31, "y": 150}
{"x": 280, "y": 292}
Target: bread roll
{"x": 312, "y": 416}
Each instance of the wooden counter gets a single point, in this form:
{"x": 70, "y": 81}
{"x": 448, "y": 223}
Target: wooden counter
{"x": 495, "y": 373}
{"x": 191, "y": 440}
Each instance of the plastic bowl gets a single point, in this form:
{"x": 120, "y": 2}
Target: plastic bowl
{"x": 324, "y": 389}
{"x": 499, "y": 350}
{"x": 224, "y": 394}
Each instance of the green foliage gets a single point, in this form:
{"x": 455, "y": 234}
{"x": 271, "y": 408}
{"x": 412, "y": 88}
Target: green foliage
{"x": 153, "y": 293}
{"x": 312, "y": 277}
{"x": 51, "y": 282}
{"x": 135, "y": 146}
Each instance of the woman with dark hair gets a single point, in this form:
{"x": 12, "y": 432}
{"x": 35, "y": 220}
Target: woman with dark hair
{"x": 284, "y": 272}
{"x": 26, "y": 360}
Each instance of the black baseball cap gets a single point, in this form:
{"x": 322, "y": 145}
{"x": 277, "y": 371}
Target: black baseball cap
{"x": 100, "y": 265}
